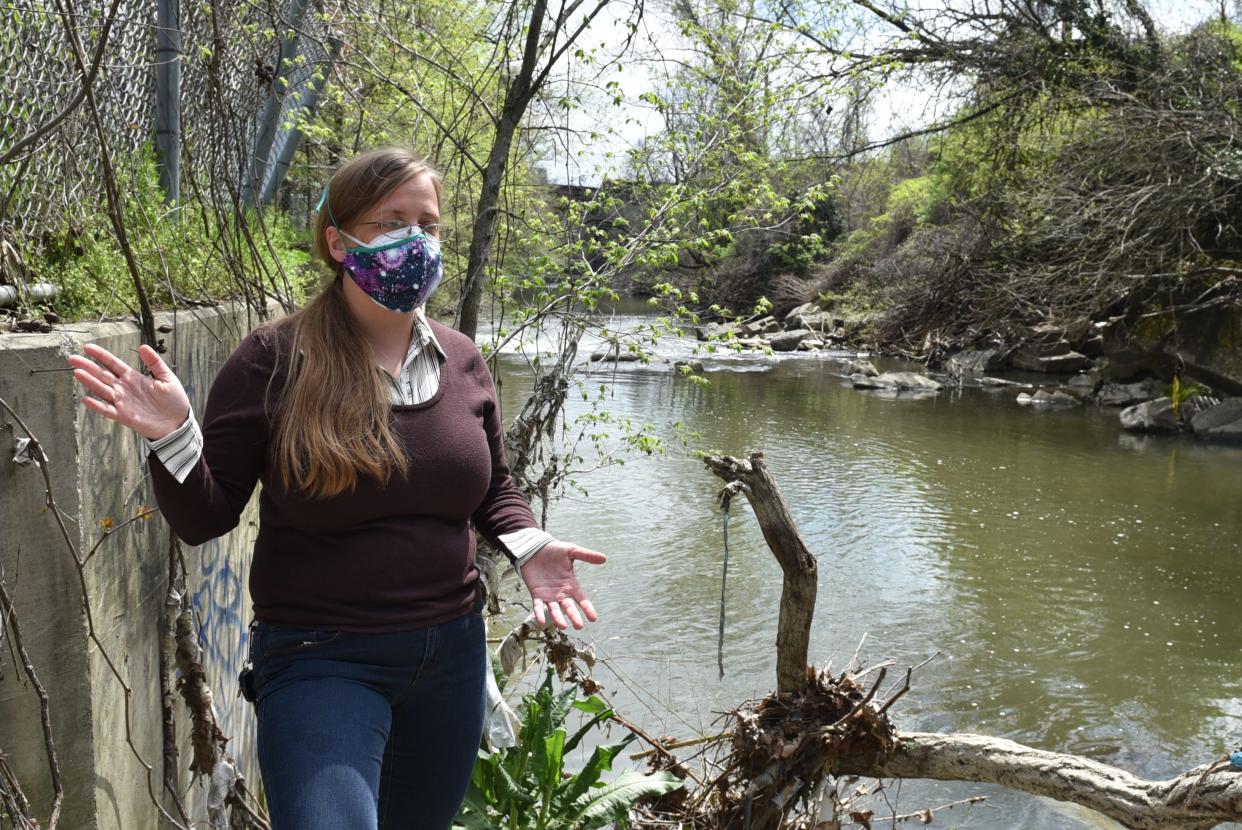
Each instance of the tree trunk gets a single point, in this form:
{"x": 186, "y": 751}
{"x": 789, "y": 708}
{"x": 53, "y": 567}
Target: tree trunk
{"x": 793, "y": 631}
{"x": 517, "y": 97}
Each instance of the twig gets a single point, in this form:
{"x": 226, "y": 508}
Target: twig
{"x": 41, "y": 460}
{"x": 926, "y": 814}
{"x": 702, "y": 739}
{"x": 45, "y": 715}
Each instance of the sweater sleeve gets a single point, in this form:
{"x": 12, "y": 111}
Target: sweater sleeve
{"x": 210, "y": 498}
{"x": 504, "y": 509}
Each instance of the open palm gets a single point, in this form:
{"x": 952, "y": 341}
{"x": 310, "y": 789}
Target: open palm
{"x": 152, "y": 405}
{"x": 553, "y": 585}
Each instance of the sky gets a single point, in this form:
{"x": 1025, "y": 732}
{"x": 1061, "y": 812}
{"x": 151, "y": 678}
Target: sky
{"x": 604, "y": 131}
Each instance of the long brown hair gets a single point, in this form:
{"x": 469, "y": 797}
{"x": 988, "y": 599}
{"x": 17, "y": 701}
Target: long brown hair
{"x": 332, "y": 417}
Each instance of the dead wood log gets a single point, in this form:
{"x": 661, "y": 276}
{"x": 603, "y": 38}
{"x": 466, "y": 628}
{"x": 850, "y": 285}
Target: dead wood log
{"x": 205, "y": 735}
{"x": 817, "y": 725}
{"x": 793, "y": 631}
{"x": 1200, "y": 799}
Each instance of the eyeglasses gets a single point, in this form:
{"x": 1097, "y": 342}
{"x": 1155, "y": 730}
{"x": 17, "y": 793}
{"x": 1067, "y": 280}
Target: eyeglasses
{"x": 395, "y": 226}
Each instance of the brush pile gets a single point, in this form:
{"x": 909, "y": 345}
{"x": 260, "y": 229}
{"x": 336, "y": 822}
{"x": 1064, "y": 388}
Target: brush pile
{"x": 782, "y": 750}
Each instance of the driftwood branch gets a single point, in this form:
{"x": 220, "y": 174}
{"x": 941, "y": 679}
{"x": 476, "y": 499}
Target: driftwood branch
{"x": 1197, "y": 800}
{"x": 793, "y": 632}
{"x": 819, "y": 725}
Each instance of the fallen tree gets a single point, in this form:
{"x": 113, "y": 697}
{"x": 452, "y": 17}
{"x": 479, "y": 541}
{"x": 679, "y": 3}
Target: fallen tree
{"x": 786, "y": 748}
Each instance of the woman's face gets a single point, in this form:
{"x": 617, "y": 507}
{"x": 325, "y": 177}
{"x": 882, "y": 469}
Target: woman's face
{"x": 413, "y": 203}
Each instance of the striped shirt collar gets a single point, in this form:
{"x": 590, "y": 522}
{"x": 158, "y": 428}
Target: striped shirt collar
{"x": 423, "y": 335}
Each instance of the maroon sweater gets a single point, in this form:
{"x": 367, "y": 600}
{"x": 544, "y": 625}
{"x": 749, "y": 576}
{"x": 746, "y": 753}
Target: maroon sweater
{"x": 384, "y": 557}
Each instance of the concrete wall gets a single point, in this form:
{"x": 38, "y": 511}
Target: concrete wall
{"x": 96, "y": 476}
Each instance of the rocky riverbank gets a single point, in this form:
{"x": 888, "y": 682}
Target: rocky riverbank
{"x": 1154, "y": 386}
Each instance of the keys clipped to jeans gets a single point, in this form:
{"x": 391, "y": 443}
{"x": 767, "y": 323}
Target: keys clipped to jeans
{"x": 245, "y": 678}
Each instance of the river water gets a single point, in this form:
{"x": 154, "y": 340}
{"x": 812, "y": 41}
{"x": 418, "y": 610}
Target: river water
{"x": 1080, "y": 584}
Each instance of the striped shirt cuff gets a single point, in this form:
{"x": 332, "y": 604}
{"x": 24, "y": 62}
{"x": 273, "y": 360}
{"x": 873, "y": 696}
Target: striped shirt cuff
{"x": 525, "y": 543}
{"x": 179, "y": 450}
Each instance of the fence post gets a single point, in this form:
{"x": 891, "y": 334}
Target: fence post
{"x": 168, "y": 97}
{"x": 287, "y": 143}
{"x": 269, "y": 120}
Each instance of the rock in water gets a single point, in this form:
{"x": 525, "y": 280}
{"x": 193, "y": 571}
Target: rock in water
{"x": 1067, "y": 363}
{"x": 1153, "y": 416}
{"x": 861, "y": 366}
{"x": 1045, "y": 398}
{"x": 613, "y": 352}
{"x": 973, "y": 362}
{"x": 717, "y": 331}
{"x": 1222, "y": 422}
{"x": 805, "y": 308}
{"x": 817, "y": 321}
{"x": 787, "y": 341}
{"x": 1128, "y": 394}
{"x": 896, "y": 381}
{"x": 1085, "y": 382}
{"x": 763, "y": 325}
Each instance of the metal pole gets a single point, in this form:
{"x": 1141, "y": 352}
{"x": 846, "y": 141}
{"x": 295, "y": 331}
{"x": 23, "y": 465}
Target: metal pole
{"x": 168, "y": 97}
{"x": 289, "y": 141}
{"x": 269, "y": 121}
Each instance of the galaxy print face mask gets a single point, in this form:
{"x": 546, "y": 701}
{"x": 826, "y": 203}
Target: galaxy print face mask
{"x": 399, "y": 269}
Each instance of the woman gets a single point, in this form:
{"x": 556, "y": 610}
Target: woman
{"x": 376, "y": 435}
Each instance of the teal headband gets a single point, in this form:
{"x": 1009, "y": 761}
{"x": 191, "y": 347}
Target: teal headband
{"x": 323, "y": 200}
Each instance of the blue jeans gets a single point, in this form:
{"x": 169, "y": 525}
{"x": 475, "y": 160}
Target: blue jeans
{"x": 363, "y": 731}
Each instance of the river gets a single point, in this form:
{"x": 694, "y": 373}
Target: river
{"x": 1081, "y": 584}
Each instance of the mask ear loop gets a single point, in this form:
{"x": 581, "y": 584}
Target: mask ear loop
{"x": 323, "y": 200}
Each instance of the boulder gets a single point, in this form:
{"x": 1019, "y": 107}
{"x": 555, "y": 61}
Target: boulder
{"x": 693, "y": 367}
{"x": 897, "y": 381}
{"x": 787, "y": 341}
{"x": 1126, "y": 365}
{"x": 974, "y": 362}
{"x": 1222, "y": 422}
{"x": 752, "y": 342}
{"x": 717, "y": 331}
{"x": 817, "y": 321}
{"x": 1044, "y": 397}
{"x": 810, "y": 345}
{"x": 1152, "y": 416}
{"x": 1084, "y": 382}
{"x": 1093, "y": 346}
{"x": 861, "y": 366}
{"x": 763, "y": 325}
{"x": 1128, "y": 394}
{"x": 805, "y": 308}
{"x": 1033, "y": 361}
{"x": 615, "y": 353}
{"x": 1195, "y": 404}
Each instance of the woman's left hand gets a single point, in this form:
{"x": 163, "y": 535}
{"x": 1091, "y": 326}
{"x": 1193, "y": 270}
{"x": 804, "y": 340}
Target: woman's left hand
{"x": 549, "y": 576}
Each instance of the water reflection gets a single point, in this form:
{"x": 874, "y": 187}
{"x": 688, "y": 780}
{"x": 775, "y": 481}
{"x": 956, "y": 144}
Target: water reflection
{"x": 1082, "y": 585}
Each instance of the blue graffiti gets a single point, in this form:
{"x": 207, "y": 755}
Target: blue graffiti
{"x": 220, "y": 610}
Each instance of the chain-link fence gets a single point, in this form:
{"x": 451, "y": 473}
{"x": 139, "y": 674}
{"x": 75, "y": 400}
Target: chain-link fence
{"x": 245, "y": 69}
{"x": 56, "y": 178}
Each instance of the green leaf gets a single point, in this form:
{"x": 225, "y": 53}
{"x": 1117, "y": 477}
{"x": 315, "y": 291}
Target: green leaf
{"x": 613, "y": 801}
{"x": 601, "y": 761}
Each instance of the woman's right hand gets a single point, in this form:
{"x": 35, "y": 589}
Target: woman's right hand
{"x": 152, "y": 405}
